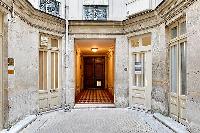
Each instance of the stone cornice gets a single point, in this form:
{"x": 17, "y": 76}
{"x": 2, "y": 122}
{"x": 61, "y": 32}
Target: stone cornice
{"x": 94, "y": 23}
{"x": 34, "y": 17}
{"x": 6, "y": 4}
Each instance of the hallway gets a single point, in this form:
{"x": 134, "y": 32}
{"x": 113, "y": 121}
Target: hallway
{"x": 94, "y": 96}
{"x": 97, "y": 120}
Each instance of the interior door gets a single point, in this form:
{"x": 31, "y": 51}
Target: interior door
{"x": 94, "y": 72}
{"x": 178, "y": 82}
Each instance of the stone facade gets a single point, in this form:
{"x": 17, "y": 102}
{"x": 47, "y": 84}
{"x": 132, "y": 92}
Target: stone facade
{"x": 22, "y": 38}
{"x": 24, "y": 24}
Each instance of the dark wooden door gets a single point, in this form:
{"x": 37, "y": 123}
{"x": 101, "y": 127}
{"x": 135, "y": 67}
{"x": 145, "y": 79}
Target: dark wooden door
{"x": 94, "y": 72}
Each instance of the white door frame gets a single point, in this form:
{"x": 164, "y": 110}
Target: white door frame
{"x": 140, "y": 96}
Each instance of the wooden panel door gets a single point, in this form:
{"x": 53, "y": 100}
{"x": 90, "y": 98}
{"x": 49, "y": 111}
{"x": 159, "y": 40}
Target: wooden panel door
{"x": 49, "y": 76}
{"x": 94, "y": 72}
{"x": 99, "y": 73}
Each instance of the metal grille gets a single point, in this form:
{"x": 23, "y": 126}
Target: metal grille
{"x": 50, "y": 6}
{"x": 95, "y": 12}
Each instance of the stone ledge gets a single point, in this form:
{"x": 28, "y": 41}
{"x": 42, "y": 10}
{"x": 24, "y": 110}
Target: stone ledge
{"x": 170, "y": 123}
{"x": 20, "y": 125}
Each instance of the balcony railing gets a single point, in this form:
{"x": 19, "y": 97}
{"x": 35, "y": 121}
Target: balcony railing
{"x": 50, "y": 6}
{"x": 95, "y": 12}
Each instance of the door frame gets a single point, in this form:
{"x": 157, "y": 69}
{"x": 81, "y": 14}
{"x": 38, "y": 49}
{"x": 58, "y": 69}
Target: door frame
{"x": 141, "y": 93}
{"x": 177, "y": 101}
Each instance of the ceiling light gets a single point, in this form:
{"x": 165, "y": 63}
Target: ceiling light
{"x": 94, "y": 50}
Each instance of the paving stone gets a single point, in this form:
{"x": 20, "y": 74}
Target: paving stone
{"x": 97, "y": 120}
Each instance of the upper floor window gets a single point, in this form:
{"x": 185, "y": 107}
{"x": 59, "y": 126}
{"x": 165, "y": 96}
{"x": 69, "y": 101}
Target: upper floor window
{"x": 50, "y": 6}
{"x": 95, "y": 12}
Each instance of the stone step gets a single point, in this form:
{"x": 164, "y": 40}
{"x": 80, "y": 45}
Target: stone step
{"x": 170, "y": 123}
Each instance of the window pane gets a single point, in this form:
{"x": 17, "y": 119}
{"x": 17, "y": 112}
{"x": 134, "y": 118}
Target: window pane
{"x": 40, "y": 70}
{"x": 56, "y": 70}
{"x": 54, "y": 43}
{"x": 174, "y": 32}
{"x": 182, "y": 28}
{"x": 52, "y": 71}
{"x": 174, "y": 69}
{"x": 135, "y": 42}
{"x": 146, "y": 41}
{"x": 183, "y": 69}
{"x": 45, "y": 70}
{"x": 139, "y": 77}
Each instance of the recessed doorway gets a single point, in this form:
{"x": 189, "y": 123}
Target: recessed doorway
{"x": 94, "y": 71}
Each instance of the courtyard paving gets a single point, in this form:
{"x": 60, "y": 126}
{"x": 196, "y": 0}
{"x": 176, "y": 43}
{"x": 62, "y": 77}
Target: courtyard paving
{"x": 97, "y": 120}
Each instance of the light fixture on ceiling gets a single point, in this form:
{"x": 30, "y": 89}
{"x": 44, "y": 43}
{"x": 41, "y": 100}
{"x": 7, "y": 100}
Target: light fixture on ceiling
{"x": 94, "y": 50}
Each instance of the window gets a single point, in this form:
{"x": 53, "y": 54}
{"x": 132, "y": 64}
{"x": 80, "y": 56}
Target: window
{"x": 183, "y": 68}
{"x": 174, "y": 32}
{"x": 95, "y": 12}
{"x": 178, "y": 58}
{"x": 50, "y": 6}
{"x": 48, "y": 63}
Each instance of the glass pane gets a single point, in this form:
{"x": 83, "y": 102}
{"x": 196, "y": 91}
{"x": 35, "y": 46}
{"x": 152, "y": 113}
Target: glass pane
{"x": 54, "y": 43}
{"x": 174, "y": 32}
{"x": 56, "y": 70}
{"x": 183, "y": 69}
{"x": 174, "y": 69}
{"x": 134, "y": 75}
{"x": 1, "y": 23}
{"x": 52, "y": 71}
{"x": 135, "y": 42}
{"x": 139, "y": 77}
{"x": 182, "y": 28}
{"x": 45, "y": 70}
{"x": 146, "y": 41}
{"x": 40, "y": 70}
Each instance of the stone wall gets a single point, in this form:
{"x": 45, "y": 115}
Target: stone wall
{"x": 160, "y": 71}
{"x": 193, "y": 66}
{"x": 23, "y": 84}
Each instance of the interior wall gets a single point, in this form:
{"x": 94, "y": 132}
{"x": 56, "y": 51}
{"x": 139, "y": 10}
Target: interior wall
{"x": 110, "y": 72}
{"x": 78, "y": 71}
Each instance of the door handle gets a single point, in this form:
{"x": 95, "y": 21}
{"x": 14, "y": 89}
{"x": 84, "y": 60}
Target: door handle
{"x": 52, "y": 91}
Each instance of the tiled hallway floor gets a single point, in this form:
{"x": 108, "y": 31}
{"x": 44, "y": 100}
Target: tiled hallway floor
{"x": 94, "y": 96}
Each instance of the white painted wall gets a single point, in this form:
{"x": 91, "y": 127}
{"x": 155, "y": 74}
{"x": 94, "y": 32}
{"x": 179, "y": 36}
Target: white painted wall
{"x": 135, "y": 6}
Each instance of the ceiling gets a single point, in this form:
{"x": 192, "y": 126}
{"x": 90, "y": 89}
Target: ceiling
{"x": 103, "y": 45}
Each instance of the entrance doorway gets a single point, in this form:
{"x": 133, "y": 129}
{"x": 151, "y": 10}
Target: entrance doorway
{"x": 94, "y": 71}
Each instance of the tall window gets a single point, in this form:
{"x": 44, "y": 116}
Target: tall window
{"x": 95, "y": 12}
{"x": 50, "y": 6}
{"x": 178, "y": 53}
{"x": 48, "y": 64}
